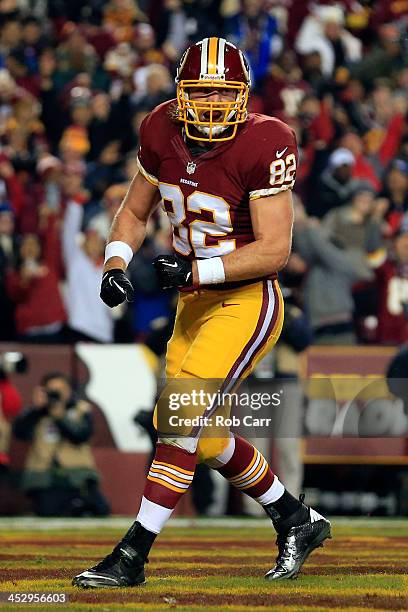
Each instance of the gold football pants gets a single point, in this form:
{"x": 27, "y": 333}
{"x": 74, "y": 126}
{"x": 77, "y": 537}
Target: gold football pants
{"x": 219, "y": 335}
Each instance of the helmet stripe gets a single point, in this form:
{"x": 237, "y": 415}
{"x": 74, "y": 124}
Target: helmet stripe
{"x": 221, "y": 56}
{"x": 245, "y": 67}
{"x": 204, "y": 54}
{"x": 212, "y": 55}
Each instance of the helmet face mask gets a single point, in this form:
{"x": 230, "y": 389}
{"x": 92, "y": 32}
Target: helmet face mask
{"x": 211, "y": 65}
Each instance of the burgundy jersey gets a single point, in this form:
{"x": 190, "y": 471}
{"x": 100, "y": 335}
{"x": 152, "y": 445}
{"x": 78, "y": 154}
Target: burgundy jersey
{"x": 207, "y": 196}
{"x": 393, "y": 303}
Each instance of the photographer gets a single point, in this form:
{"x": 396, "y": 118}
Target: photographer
{"x": 60, "y": 475}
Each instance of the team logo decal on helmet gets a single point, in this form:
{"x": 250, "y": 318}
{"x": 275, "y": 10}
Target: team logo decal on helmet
{"x": 213, "y": 64}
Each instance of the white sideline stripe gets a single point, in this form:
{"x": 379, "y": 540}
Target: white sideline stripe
{"x": 33, "y": 523}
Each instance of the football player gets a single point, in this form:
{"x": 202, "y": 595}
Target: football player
{"x": 224, "y": 177}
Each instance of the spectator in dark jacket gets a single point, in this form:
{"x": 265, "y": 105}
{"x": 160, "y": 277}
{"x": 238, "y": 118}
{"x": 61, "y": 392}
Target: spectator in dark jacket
{"x": 336, "y": 184}
{"x": 396, "y": 192}
{"x": 8, "y": 253}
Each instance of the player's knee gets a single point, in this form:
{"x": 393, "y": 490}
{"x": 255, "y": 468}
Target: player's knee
{"x": 215, "y": 452}
{"x": 187, "y": 444}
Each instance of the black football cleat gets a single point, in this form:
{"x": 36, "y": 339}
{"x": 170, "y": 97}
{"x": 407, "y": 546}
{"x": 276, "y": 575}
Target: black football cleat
{"x": 124, "y": 566}
{"x": 296, "y": 545}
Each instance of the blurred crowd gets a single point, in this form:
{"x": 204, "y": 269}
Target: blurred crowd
{"x": 76, "y": 80}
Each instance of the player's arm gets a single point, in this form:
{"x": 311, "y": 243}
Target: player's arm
{"x": 272, "y": 221}
{"x": 129, "y": 224}
{"x": 127, "y": 234}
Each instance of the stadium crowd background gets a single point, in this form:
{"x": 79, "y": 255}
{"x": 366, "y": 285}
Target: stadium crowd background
{"x": 76, "y": 80}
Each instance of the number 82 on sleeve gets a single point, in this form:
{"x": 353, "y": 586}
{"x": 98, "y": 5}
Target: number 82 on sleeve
{"x": 283, "y": 170}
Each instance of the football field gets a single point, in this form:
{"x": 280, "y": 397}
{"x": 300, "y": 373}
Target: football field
{"x": 209, "y": 565}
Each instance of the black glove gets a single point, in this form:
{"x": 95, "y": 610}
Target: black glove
{"x": 116, "y": 288}
{"x": 172, "y": 271}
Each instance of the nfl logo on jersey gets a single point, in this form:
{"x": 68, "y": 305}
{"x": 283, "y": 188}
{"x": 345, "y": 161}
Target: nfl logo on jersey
{"x": 191, "y": 168}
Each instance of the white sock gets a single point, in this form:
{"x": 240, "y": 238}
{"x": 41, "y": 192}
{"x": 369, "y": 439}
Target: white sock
{"x": 152, "y": 516}
{"x": 275, "y": 491}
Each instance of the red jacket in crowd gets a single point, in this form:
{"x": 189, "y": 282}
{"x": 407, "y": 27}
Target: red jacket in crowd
{"x": 393, "y": 303}
{"x": 10, "y": 405}
{"x": 38, "y": 301}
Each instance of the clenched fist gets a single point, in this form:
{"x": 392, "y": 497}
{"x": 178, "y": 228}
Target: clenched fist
{"x": 173, "y": 271}
{"x": 116, "y": 288}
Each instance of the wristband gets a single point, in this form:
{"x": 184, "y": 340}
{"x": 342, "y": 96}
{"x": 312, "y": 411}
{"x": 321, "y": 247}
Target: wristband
{"x": 117, "y": 248}
{"x": 210, "y": 271}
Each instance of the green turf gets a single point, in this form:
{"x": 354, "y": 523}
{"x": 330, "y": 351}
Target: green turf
{"x": 197, "y": 569}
